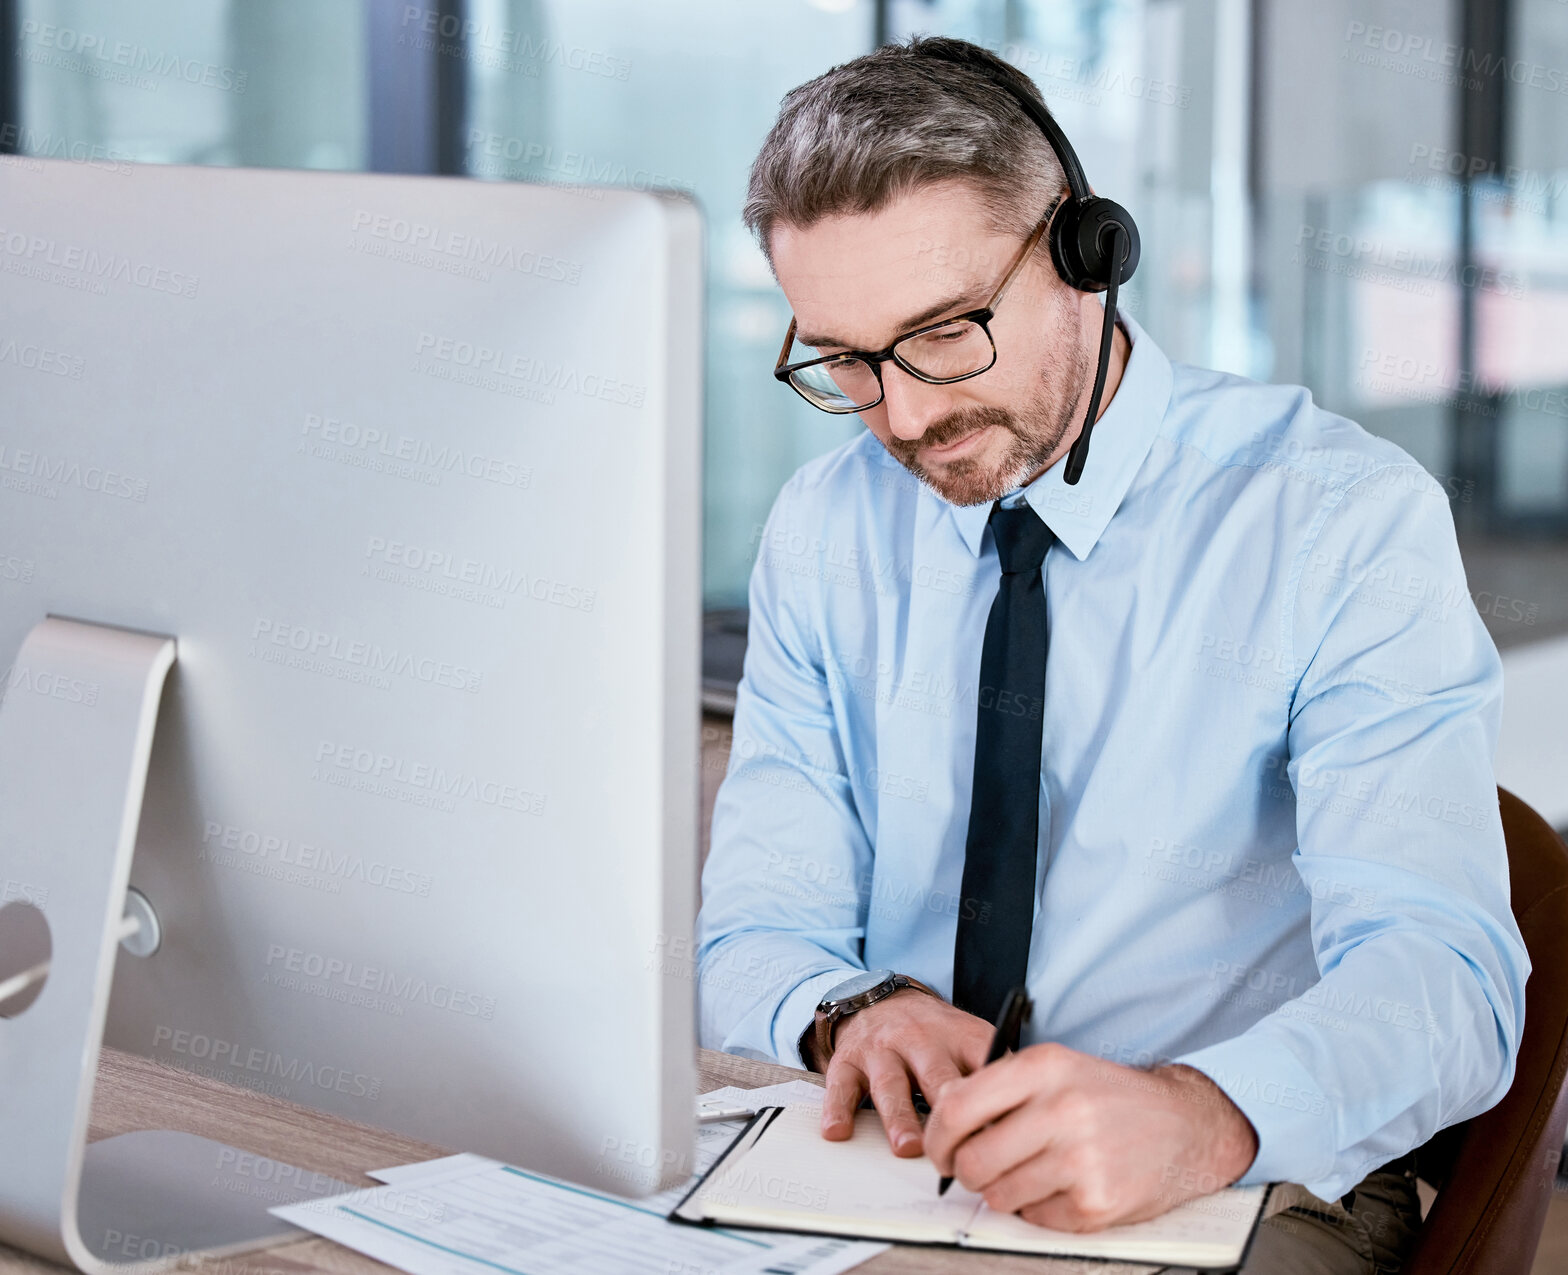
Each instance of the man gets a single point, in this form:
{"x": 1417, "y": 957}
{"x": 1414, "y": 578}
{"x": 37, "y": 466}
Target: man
{"x": 1259, "y": 897}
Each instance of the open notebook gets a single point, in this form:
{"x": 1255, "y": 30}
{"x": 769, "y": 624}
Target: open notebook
{"x": 781, "y": 1174}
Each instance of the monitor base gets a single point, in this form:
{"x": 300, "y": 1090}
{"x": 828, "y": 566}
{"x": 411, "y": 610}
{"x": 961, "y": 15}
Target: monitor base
{"x": 155, "y": 1196}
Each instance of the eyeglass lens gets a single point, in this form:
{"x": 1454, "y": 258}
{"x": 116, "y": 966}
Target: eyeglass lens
{"x": 953, "y": 350}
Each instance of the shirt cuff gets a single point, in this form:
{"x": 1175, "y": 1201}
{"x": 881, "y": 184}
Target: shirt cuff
{"x": 797, "y": 1010}
{"x": 1291, "y": 1115}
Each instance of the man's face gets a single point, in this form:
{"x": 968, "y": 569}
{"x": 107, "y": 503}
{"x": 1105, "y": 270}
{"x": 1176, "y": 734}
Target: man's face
{"x": 858, "y": 281}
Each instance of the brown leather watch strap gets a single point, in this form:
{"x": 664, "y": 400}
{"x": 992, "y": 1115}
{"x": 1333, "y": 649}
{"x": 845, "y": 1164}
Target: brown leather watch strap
{"x": 825, "y": 1025}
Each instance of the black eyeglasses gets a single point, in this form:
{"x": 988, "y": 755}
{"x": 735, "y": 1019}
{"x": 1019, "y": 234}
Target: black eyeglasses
{"x": 939, "y": 353}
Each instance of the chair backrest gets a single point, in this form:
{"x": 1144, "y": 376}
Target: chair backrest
{"x": 1494, "y": 1173}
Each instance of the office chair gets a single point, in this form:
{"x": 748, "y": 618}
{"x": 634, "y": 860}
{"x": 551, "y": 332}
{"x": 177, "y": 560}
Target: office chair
{"x": 1494, "y": 1173}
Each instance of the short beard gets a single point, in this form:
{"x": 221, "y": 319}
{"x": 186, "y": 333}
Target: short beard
{"x": 1036, "y": 432}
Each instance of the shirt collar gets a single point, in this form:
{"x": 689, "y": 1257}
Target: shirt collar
{"x": 1122, "y": 438}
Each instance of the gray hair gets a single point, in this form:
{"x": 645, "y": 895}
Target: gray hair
{"x": 904, "y": 116}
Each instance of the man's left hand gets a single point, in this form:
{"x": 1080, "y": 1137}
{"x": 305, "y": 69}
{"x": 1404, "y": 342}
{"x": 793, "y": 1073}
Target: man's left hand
{"x": 1077, "y": 1143}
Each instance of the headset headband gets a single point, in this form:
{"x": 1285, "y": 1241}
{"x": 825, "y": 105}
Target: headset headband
{"x": 1093, "y": 240}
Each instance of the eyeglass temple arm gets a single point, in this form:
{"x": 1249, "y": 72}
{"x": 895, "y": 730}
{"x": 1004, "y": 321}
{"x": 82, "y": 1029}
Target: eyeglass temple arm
{"x": 789, "y": 340}
{"x": 1023, "y": 256}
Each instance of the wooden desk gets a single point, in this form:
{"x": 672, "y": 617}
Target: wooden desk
{"x": 134, "y": 1093}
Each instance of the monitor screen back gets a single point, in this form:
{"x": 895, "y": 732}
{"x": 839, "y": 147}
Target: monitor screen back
{"x": 410, "y": 468}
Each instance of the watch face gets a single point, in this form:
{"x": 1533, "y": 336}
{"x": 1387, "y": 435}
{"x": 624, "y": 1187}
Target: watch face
{"x": 857, "y": 986}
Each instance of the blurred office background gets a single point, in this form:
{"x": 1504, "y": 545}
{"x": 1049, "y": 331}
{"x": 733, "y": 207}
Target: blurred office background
{"x": 1368, "y": 197}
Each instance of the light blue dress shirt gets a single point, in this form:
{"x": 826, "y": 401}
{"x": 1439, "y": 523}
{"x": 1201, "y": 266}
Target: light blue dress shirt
{"x": 1270, "y": 845}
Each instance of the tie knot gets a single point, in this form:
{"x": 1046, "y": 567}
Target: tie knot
{"x": 1021, "y": 538}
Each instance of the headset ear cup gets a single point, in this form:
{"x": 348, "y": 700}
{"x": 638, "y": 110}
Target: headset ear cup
{"x": 1063, "y": 238}
{"x": 1081, "y": 242}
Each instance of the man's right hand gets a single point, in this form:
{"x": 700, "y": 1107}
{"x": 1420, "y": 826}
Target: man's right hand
{"x": 909, "y": 1036}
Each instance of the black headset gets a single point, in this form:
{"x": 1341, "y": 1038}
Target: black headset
{"x": 1093, "y": 241}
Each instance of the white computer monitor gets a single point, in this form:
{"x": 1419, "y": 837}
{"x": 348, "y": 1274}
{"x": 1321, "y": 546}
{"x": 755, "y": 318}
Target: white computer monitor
{"x": 409, "y": 469}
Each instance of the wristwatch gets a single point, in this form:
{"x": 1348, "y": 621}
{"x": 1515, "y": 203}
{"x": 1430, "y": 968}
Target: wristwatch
{"x": 851, "y": 995}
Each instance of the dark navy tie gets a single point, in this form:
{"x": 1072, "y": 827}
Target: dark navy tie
{"x": 991, "y": 954}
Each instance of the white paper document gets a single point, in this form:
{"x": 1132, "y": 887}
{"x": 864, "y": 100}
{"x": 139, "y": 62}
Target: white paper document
{"x": 468, "y": 1215}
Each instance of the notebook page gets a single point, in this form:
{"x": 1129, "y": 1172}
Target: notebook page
{"x": 794, "y": 1177}
{"x": 1209, "y": 1231}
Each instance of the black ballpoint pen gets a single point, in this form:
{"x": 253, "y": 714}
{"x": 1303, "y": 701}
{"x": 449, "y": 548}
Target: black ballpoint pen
{"x": 1015, "y": 1012}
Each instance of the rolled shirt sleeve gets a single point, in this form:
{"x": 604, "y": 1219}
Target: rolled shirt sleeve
{"x": 1416, "y": 1020}
{"x": 782, "y": 917}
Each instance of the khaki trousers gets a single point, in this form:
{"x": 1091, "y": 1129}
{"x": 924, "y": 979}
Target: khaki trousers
{"x": 1303, "y": 1235}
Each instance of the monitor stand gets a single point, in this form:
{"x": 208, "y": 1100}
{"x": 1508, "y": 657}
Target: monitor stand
{"x": 76, "y": 730}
